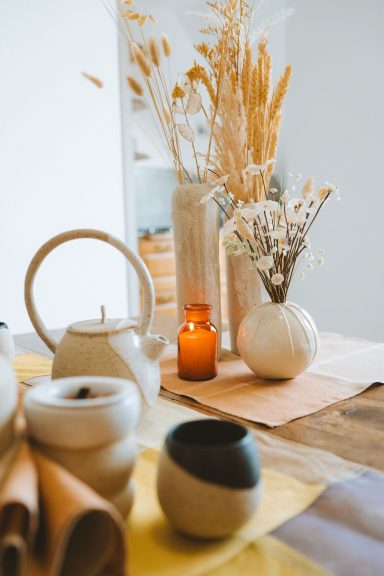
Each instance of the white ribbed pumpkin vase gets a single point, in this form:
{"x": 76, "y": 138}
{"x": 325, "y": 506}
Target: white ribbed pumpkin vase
{"x": 277, "y": 341}
{"x": 196, "y": 237}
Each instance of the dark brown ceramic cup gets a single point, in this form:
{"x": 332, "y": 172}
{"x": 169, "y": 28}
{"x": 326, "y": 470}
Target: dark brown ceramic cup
{"x": 209, "y": 477}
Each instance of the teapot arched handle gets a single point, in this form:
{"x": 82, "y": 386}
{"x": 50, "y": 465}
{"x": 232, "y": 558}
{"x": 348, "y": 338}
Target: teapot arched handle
{"x": 135, "y": 260}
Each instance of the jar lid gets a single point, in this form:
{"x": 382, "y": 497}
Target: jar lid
{"x": 102, "y": 325}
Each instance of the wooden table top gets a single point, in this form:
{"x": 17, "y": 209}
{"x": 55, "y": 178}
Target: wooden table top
{"x": 352, "y": 429}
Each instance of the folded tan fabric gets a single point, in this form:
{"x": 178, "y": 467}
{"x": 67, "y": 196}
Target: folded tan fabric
{"x": 343, "y": 368}
{"x": 18, "y": 512}
{"x": 51, "y": 524}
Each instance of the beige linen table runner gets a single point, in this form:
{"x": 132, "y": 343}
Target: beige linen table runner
{"x": 343, "y": 368}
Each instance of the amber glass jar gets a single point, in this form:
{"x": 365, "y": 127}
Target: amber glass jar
{"x": 197, "y": 344}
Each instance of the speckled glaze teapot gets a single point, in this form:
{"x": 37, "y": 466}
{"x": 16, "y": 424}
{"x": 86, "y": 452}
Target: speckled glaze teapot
{"x": 120, "y": 347}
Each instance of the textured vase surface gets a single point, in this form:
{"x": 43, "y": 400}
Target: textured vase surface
{"x": 278, "y": 341}
{"x": 196, "y": 236}
{"x": 245, "y": 290}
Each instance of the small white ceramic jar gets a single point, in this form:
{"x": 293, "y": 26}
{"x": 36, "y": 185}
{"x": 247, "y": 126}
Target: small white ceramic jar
{"x": 8, "y": 389}
{"x": 91, "y": 437}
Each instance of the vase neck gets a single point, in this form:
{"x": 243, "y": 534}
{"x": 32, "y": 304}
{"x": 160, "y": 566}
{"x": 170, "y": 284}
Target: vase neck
{"x": 197, "y": 313}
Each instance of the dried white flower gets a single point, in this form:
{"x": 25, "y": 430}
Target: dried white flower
{"x": 306, "y": 241}
{"x": 254, "y": 169}
{"x": 284, "y": 197}
{"x": 265, "y": 263}
{"x": 320, "y": 260}
{"x": 186, "y": 132}
{"x": 277, "y": 279}
{"x": 194, "y": 103}
{"x": 309, "y": 266}
{"x": 222, "y": 180}
{"x": 211, "y": 194}
{"x": 229, "y": 227}
{"x": 278, "y": 234}
{"x": 294, "y": 216}
{"x": 243, "y": 227}
{"x": 332, "y": 187}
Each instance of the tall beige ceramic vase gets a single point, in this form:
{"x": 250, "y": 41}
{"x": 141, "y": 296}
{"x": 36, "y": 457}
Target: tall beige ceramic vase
{"x": 196, "y": 235}
{"x": 244, "y": 291}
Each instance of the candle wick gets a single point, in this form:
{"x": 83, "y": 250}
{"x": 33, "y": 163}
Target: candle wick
{"x": 82, "y": 393}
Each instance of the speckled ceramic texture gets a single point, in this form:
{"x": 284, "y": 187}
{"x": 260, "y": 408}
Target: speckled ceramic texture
{"x": 199, "y": 508}
{"x": 92, "y": 438}
{"x": 126, "y": 353}
{"x": 244, "y": 291}
{"x": 196, "y": 236}
{"x": 278, "y": 341}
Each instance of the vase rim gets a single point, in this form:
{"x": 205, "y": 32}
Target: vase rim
{"x": 197, "y": 307}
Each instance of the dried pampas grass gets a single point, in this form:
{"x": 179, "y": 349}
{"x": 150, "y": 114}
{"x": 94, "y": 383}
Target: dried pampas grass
{"x": 141, "y": 60}
{"x": 154, "y": 52}
{"x": 135, "y": 86}
{"x": 167, "y": 49}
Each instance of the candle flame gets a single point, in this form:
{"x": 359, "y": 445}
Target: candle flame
{"x": 191, "y": 326}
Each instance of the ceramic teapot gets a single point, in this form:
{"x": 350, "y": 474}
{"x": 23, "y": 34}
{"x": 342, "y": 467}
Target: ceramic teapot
{"x": 103, "y": 347}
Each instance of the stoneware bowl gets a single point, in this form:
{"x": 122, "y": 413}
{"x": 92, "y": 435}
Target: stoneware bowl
{"x": 91, "y": 437}
{"x": 209, "y": 477}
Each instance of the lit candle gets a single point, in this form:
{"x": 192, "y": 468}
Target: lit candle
{"x": 197, "y": 344}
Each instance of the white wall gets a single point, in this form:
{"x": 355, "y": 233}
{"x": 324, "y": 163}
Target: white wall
{"x": 333, "y": 130}
{"x": 60, "y": 158}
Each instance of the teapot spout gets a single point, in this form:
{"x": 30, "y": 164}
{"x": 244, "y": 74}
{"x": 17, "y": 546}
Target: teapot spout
{"x": 153, "y": 346}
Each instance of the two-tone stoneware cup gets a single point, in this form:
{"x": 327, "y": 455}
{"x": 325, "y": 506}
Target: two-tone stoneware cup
{"x": 208, "y": 480}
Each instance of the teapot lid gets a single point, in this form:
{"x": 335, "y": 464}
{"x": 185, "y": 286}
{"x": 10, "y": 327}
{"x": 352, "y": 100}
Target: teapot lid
{"x": 102, "y": 325}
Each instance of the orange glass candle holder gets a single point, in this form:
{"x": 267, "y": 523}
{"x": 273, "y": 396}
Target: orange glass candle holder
{"x": 197, "y": 344}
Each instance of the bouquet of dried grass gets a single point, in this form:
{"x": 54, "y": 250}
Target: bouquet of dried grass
{"x": 171, "y": 106}
{"x": 244, "y": 114}
{"x": 246, "y": 110}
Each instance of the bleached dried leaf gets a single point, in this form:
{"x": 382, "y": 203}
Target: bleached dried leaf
{"x": 194, "y": 103}
{"x": 176, "y": 109}
{"x": 186, "y": 132}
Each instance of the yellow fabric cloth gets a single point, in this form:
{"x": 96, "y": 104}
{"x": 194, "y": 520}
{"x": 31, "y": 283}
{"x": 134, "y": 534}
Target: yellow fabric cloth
{"x": 156, "y": 549}
{"x": 31, "y": 365}
{"x": 269, "y": 557}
